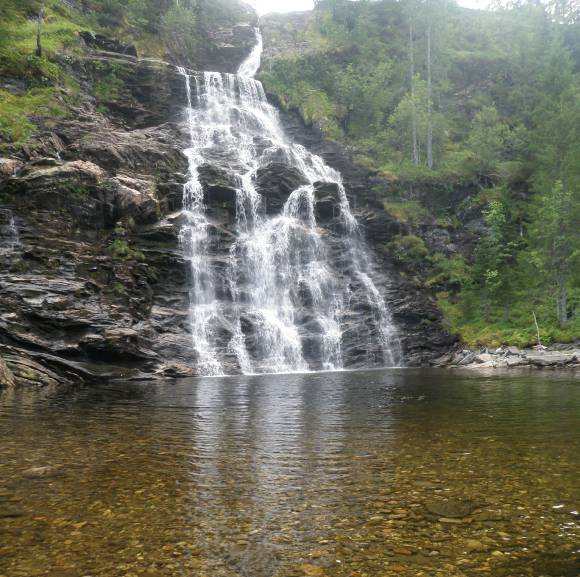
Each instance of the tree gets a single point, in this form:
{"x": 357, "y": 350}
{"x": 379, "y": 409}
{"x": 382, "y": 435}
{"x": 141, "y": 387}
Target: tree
{"x": 494, "y": 259}
{"x": 557, "y": 240}
{"x": 39, "y": 32}
{"x": 429, "y": 88}
{"x": 415, "y": 145}
{"x": 180, "y": 31}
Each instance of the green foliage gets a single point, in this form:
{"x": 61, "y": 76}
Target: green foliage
{"x": 410, "y": 212}
{"x": 119, "y": 289}
{"x": 408, "y": 250}
{"x": 449, "y": 273}
{"x": 17, "y": 113}
{"x": 503, "y": 113}
{"x": 108, "y": 84}
{"x": 180, "y": 32}
{"x": 491, "y": 142}
{"x": 120, "y": 249}
{"x": 287, "y": 82}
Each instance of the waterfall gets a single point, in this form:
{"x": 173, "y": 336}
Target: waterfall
{"x": 276, "y": 303}
{"x": 10, "y": 238}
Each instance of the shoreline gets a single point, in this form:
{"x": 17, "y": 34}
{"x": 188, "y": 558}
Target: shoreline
{"x": 507, "y": 357}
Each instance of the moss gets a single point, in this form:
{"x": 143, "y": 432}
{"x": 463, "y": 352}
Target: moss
{"x": 119, "y": 289}
{"x": 451, "y": 273}
{"x": 108, "y": 82}
{"x": 18, "y": 112}
{"x": 410, "y": 212}
{"x": 75, "y": 188}
{"x": 409, "y": 250}
{"x": 120, "y": 249}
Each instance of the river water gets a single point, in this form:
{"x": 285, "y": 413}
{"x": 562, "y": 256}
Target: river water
{"x": 348, "y": 474}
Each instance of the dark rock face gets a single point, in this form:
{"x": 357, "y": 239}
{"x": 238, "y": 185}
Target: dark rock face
{"x": 276, "y": 182}
{"x": 92, "y": 282}
{"x": 229, "y": 47}
{"x": 327, "y": 205}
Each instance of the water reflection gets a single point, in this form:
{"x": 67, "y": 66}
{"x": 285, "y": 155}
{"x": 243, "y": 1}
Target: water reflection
{"x": 327, "y": 474}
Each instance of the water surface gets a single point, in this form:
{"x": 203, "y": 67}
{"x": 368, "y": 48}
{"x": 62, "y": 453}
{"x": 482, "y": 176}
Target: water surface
{"x": 329, "y": 474}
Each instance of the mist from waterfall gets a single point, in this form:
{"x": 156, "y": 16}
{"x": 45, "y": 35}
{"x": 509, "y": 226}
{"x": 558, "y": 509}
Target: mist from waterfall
{"x": 278, "y": 301}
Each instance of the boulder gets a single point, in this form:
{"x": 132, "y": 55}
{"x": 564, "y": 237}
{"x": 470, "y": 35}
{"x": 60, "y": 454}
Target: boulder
{"x": 552, "y": 359}
{"x": 327, "y": 204}
{"x": 219, "y": 185}
{"x": 451, "y": 508}
{"x": 9, "y": 167}
{"x": 101, "y": 42}
{"x": 484, "y": 358}
{"x": 276, "y": 182}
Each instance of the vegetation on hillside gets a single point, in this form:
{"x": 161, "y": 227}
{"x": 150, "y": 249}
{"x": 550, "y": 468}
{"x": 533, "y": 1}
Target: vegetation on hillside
{"x": 437, "y": 97}
{"x": 34, "y": 83}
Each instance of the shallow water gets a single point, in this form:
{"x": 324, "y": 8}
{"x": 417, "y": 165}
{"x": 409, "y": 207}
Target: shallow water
{"x": 332, "y": 474}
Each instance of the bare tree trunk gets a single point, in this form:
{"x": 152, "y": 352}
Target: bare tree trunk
{"x": 537, "y": 329}
{"x": 413, "y": 111}
{"x": 39, "y": 32}
{"x": 429, "y": 93}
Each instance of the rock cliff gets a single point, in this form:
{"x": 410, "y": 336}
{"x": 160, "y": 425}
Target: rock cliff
{"x": 92, "y": 281}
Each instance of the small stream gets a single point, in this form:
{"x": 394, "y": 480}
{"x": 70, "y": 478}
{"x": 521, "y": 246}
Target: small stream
{"x": 348, "y": 474}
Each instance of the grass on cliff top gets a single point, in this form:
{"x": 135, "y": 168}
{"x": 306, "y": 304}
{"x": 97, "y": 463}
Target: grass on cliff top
{"x": 17, "y": 113}
{"x": 39, "y": 77}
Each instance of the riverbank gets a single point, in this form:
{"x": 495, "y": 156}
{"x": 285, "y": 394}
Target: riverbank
{"x": 506, "y": 357}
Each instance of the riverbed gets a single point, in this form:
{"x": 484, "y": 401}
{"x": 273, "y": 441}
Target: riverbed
{"x": 348, "y": 474}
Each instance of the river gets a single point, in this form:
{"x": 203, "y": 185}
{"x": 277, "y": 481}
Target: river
{"x": 350, "y": 474}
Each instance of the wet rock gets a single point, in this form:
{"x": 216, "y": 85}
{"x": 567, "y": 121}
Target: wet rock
{"x": 228, "y": 46}
{"x": 258, "y": 559}
{"x": 30, "y": 373}
{"x": 327, "y": 205}
{"x": 474, "y": 545}
{"x": 310, "y": 570}
{"x": 177, "y": 371}
{"x": 219, "y": 185}
{"x": 451, "y": 508}
{"x": 6, "y": 376}
{"x": 43, "y": 472}
{"x": 276, "y": 182}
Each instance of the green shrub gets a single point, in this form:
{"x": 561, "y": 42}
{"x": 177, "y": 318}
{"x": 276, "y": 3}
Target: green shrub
{"x": 121, "y": 250}
{"x": 408, "y": 250}
{"x": 409, "y": 212}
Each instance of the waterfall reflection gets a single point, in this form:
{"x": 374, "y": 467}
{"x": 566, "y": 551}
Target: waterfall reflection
{"x": 280, "y": 454}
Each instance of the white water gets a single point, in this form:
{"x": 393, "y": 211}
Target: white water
{"x": 10, "y": 235}
{"x": 285, "y": 303}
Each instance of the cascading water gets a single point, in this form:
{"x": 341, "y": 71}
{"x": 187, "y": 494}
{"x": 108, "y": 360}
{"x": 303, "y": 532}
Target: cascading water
{"x": 277, "y": 302}
{"x": 9, "y": 236}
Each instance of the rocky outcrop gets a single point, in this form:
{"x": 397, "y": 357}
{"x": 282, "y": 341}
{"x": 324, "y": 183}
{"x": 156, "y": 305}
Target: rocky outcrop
{"x": 106, "y": 44}
{"x": 92, "y": 283}
{"x": 284, "y": 33}
{"x": 557, "y": 356}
